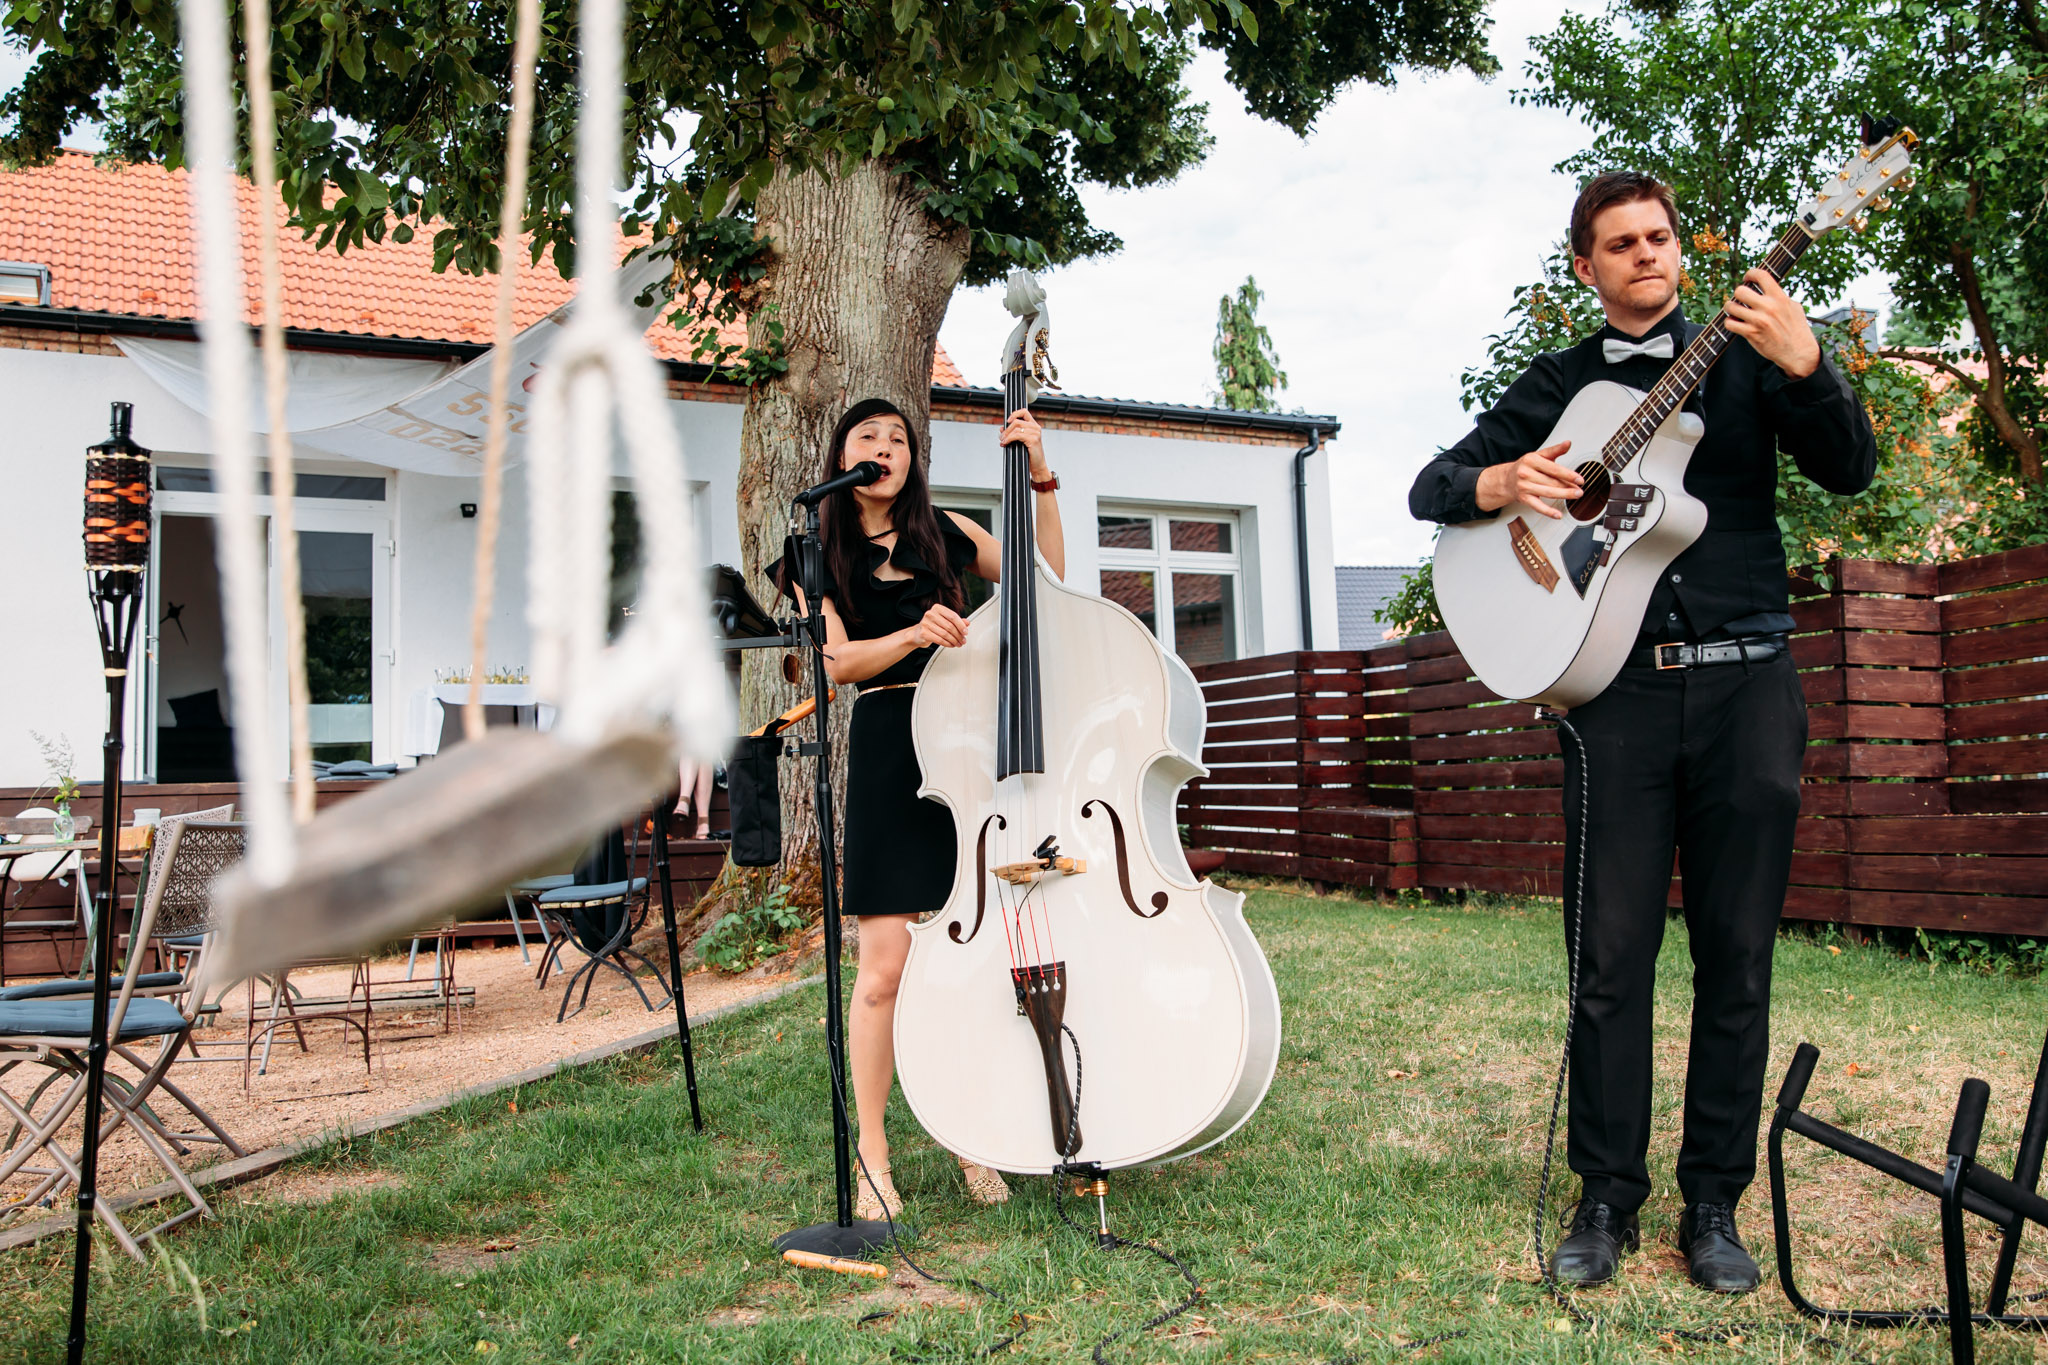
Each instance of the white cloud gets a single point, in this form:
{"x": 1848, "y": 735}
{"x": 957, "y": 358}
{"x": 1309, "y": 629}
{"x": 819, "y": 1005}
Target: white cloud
{"x": 1387, "y": 243}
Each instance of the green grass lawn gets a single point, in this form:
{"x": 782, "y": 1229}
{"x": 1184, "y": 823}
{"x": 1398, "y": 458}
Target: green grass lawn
{"x": 1381, "y": 1196}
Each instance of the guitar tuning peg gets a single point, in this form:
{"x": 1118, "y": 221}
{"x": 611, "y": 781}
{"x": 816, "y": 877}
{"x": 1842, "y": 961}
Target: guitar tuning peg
{"x": 1860, "y": 222}
{"x": 1881, "y": 203}
{"x": 1905, "y": 182}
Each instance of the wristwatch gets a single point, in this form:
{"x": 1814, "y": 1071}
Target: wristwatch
{"x": 1048, "y": 486}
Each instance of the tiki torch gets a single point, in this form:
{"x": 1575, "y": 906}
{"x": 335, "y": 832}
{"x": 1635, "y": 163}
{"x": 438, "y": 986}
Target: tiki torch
{"x": 117, "y": 529}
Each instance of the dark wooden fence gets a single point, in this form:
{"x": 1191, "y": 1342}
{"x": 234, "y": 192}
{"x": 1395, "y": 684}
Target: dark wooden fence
{"x": 1924, "y": 799}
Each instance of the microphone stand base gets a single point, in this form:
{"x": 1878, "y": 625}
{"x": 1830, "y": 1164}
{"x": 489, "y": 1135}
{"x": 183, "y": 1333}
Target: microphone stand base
{"x": 850, "y": 1241}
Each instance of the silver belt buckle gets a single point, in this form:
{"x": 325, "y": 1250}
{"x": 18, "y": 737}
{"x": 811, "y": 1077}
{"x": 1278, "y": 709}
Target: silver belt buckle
{"x": 1677, "y": 657}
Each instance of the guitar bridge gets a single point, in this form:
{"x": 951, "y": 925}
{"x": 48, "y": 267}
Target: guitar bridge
{"x": 1529, "y": 554}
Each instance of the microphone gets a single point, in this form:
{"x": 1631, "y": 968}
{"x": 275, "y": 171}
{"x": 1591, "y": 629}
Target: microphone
{"x": 860, "y": 476}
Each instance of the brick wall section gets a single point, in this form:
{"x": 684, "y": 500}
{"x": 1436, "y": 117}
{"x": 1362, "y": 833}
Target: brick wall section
{"x": 56, "y": 339}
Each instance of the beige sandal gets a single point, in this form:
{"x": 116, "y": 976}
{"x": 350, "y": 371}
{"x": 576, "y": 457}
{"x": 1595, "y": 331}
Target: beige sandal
{"x": 984, "y": 1184}
{"x": 868, "y": 1204}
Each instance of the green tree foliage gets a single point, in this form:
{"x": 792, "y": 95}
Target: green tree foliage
{"x": 1741, "y": 105}
{"x": 1247, "y": 367}
{"x": 1969, "y": 243}
{"x": 392, "y": 114}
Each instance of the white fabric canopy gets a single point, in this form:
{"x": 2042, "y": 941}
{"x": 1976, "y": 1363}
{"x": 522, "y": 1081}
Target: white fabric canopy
{"x": 423, "y": 416}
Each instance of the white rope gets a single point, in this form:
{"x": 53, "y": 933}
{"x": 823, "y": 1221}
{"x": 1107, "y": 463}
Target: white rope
{"x": 209, "y": 157}
{"x": 276, "y": 386}
{"x": 511, "y": 219}
{"x": 663, "y": 668}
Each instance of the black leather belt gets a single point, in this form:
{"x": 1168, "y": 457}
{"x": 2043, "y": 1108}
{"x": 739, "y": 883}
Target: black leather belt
{"x": 1753, "y": 649}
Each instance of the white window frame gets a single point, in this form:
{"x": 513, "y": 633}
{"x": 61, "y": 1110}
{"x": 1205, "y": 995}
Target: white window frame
{"x": 1163, "y": 563}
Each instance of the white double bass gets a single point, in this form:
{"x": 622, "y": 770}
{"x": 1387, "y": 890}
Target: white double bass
{"x": 1082, "y": 999}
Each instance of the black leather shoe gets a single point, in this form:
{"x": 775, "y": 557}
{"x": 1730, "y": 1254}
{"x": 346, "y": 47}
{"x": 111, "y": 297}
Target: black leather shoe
{"x": 1591, "y": 1253}
{"x": 1715, "y": 1255}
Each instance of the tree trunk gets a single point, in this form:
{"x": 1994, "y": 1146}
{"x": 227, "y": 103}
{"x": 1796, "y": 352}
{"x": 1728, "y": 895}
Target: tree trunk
{"x": 859, "y": 276}
{"x": 2025, "y": 445}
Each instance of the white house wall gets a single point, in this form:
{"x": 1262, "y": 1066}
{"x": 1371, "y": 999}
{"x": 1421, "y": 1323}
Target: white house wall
{"x": 54, "y": 684}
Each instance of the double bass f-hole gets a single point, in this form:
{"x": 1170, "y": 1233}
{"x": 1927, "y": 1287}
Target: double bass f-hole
{"x": 1123, "y": 861}
{"x": 980, "y": 881}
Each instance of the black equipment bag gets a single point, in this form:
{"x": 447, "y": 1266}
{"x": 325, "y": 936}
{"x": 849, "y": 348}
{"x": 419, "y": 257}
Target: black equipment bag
{"x": 753, "y": 787}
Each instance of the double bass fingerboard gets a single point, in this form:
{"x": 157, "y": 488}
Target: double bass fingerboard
{"x": 1020, "y": 719}
{"x": 1687, "y": 372}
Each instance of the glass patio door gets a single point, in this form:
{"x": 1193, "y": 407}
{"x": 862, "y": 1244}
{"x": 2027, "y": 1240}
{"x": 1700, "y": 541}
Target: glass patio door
{"x": 344, "y": 581}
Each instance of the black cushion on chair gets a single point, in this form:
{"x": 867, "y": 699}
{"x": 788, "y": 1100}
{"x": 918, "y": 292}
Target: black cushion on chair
{"x": 574, "y": 895}
{"x": 147, "y": 1017}
{"x": 597, "y": 912}
{"x": 72, "y": 986}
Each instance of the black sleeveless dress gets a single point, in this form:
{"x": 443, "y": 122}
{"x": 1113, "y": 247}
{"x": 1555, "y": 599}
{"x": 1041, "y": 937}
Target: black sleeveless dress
{"x": 898, "y": 851}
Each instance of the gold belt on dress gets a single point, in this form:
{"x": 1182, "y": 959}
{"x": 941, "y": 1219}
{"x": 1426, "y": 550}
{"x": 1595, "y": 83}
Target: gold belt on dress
{"x": 885, "y": 687}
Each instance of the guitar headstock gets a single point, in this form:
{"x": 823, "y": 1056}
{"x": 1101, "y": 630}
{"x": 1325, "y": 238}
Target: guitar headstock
{"x": 1866, "y": 181}
{"x": 1025, "y": 349}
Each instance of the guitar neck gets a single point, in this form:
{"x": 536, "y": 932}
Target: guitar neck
{"x": 1687, "y": 373}
{"x": 1020, "y": 730}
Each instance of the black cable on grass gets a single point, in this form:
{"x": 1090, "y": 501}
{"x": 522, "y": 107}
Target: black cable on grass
{"x": 1541, "y": 1213}
{"x": 896, "y": 1242}
{"x": 1109, "y": 1241}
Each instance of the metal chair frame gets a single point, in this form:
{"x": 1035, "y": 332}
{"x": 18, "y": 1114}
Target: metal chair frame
{"x": 174, "y": 903}
{"x": 620, "y": 946}
{"x": 1962, "y": 1186}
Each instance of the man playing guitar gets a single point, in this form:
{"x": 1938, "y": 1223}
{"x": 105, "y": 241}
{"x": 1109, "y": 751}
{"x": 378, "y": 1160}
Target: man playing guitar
{"x": 1696, "y": 746}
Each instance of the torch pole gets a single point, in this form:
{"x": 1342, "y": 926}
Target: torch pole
{"x": 117, "y": 534}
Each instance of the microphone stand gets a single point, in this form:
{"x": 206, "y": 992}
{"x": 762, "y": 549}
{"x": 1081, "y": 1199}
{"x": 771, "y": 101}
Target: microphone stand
{"x": 846, "y": 1236}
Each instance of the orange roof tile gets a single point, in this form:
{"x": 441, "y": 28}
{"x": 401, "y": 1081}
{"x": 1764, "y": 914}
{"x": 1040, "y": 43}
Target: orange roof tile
{"x": 118, "y": 239}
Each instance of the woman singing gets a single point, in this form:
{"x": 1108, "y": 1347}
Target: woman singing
{"x": 892, "y": 598}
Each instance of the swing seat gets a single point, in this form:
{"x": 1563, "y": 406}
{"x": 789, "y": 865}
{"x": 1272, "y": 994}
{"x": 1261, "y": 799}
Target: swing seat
{"x": 375, "y": 868}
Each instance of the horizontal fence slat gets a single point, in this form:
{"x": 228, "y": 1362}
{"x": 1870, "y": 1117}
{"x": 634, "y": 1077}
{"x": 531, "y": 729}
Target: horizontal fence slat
{"x": 1993, "y": 571}
{"x": 1924, "y": 792}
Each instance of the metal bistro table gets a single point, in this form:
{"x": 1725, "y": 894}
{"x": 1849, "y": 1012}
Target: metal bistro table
{"x": 134, "y": 840}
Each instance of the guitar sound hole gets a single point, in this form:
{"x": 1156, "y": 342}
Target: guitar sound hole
{"x": 1591, "y": 505}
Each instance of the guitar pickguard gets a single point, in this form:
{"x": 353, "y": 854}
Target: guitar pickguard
{"x": 1583, "y": 553}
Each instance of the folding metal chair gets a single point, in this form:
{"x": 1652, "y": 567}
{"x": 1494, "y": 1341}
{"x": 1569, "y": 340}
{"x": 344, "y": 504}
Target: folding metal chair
{"x": 48, "y": 1025}
{"x": 1962, "y": 1186}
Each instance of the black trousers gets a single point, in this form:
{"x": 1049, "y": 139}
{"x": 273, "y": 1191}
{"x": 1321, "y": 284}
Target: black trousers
{"x": 1704, "y": 762}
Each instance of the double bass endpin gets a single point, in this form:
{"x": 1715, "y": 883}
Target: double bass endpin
{"x": 1087, "y": 1184}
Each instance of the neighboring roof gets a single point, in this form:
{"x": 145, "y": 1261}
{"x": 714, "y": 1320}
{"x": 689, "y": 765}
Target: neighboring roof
{"x": 118, "y": 240}
{"x": 1362, "y": 589}
{"x": 1300, "y": 423}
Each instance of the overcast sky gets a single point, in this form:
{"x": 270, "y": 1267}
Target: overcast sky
{"x": 1388, "y": 244}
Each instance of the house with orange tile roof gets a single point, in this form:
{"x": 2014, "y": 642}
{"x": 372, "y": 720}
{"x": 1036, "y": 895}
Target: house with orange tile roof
{"x": 1213, "y": 526}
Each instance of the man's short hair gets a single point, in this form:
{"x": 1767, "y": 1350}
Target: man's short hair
{"x": 1616, "y": 187}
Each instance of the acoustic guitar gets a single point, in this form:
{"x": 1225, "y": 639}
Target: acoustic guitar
{"x": 1546, "y": 610}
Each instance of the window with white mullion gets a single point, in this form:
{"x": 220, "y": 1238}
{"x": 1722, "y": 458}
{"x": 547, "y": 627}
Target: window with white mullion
{"x": 1179, "y": 572}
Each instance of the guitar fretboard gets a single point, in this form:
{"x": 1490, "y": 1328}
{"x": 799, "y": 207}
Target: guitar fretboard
{"x": 1690, "y": 369}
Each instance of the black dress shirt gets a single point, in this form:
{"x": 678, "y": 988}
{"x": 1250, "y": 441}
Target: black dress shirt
{"x": 1731, "y": 581}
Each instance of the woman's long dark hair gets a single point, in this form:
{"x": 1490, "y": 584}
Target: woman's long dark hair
{"x": 912, "y": 514}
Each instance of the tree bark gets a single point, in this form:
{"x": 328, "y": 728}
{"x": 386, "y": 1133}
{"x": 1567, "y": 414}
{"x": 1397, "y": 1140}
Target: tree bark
{"x": 1991, "y": 397}
{"x": 859, "y": 276}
